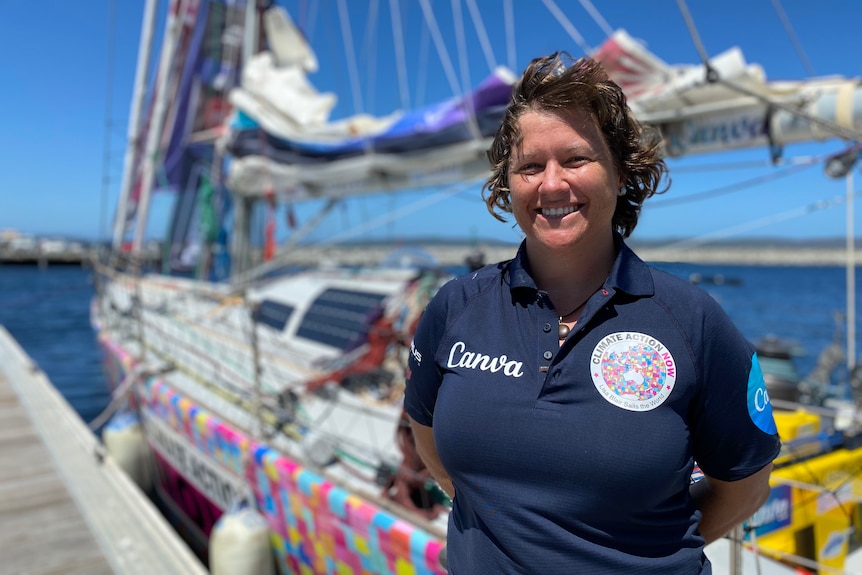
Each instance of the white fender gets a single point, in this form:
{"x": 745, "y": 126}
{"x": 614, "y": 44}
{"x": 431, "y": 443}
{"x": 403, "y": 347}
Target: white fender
{"x": 124, "y": 440}
{"x": 239, "y": 544}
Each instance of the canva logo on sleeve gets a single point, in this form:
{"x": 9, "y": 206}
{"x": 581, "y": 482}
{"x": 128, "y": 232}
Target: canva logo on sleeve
{"x": 759, "y": 407}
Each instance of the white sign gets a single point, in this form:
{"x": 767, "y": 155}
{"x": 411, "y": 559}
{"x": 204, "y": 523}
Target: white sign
{"x": 221, "y": 486}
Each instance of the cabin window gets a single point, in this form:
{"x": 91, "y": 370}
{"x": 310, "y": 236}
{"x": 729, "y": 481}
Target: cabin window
{"x": 272, "y": 313}
{"x": 340, "y": 318}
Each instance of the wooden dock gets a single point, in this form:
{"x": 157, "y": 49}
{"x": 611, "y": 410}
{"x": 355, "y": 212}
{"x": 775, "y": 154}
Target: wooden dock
{"x": 62, "y": 511}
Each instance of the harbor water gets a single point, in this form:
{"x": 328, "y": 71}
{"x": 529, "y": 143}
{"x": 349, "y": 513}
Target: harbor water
{"x": 47, "y": 312}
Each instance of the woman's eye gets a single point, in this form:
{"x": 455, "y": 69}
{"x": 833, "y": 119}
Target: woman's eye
{"x": 531, "y": 168}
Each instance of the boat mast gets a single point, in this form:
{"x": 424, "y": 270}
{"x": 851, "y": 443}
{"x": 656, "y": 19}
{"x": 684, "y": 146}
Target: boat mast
{"x": 145, "y": 49}
{"x": 850, "y": 278}
{"x": 243, "y": 204}
{"x": 173, "y": 29}
{"x": 841, "y": 166}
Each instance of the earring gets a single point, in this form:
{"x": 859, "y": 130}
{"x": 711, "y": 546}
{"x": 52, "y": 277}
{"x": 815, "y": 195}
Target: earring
{"x": 623, "y": 191}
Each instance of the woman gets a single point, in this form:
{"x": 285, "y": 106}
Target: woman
{"x": 562, "y": 398}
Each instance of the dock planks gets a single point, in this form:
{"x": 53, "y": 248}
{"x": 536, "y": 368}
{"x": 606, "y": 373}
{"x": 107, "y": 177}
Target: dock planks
{"x": 61, "y": 510}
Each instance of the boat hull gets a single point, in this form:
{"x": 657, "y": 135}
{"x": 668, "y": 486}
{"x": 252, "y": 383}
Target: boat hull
{"x": 206, "y": 464}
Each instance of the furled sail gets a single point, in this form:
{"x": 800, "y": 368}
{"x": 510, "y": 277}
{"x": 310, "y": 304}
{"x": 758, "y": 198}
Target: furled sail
{"x": 281, "y": 137}
{"x": 729, "y": 104}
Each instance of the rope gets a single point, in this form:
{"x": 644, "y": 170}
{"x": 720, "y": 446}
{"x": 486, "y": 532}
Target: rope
{"x": 118, "y": 396}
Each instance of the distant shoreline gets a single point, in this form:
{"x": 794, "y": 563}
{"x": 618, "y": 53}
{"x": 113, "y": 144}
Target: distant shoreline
{"x": 457, "y": 253}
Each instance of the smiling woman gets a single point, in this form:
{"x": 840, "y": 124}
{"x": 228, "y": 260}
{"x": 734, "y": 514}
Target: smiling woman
{"x": 564, "y": 188}
{"x": 566, "y": 179}
{"x": 641, "y": 355}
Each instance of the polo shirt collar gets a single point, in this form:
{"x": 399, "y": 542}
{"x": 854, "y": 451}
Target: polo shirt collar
{"x": 629, "y": 274}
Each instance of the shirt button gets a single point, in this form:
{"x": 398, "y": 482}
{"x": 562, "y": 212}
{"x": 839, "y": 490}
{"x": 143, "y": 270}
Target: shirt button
{"x": 548, "y": 355}
{"x": 546, "y": 327}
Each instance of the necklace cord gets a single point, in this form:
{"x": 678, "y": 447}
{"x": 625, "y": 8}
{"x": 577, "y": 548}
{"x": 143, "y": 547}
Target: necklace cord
{"x": 582, "y": 304}
{"x": 562, "y": 329}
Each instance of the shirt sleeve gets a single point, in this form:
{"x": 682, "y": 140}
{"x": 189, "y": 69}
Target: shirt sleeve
{"x": 423, "y": 375}
{"x": 733, "y": 430}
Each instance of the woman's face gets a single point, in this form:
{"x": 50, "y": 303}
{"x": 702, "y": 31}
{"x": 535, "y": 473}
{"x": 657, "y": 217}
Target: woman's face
{"x": 563, "y": 181}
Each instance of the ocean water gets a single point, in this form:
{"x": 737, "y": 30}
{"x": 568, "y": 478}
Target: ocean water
{"x": 47, "y": 312}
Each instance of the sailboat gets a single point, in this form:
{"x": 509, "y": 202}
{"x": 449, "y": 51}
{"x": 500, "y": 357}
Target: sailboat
{"x": 263, "y": 384}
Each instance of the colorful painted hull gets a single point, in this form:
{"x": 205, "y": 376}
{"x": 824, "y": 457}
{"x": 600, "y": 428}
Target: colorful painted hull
{"x": 205, "y": 464}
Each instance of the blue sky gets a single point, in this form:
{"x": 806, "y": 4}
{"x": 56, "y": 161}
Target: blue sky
{"x": 68, "y": 69}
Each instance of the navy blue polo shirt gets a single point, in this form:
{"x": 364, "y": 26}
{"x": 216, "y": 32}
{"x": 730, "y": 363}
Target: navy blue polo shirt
{"x": 577, "y": 458}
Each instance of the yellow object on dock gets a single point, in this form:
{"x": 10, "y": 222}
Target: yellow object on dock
{"x": 62, "y": 510}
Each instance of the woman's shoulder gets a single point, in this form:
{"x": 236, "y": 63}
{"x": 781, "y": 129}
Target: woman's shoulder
{"x": 468, "y": 285}
{"x": 456, "y": 295}
{"x": 678, "y": 292}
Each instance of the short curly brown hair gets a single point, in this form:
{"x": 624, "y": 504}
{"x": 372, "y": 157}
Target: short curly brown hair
{"x": 559, "y": 82}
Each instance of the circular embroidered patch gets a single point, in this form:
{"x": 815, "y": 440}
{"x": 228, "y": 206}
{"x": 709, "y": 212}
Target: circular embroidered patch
{"x": 633, "y": 370}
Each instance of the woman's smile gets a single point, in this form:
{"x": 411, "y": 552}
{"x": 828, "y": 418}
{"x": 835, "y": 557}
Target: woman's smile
{"x": 559, "y": 213}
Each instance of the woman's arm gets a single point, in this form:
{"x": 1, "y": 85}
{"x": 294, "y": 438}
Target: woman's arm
{"x": 424, "y": 438}
{"x": 726, "y": 504}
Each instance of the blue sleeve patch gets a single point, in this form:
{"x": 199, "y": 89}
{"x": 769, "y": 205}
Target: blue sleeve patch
{"x": 759, "y": 407}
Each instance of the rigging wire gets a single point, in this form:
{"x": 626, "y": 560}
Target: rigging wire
{"x": 567, "y": 25}
{"x": 757, "y": 223}
{"x": 425, "y": 201}
{"x": 107, "y": 136}
{"x": 370, "y": 51}
{"x": 310, "y": 20}
{"x": 461, "y": 41}
{"x": 350, "y": 54}
{"x": 730, "y": 188}
{"x": 509, "y": 17}
{"x": 695, "y": 35}
{"x": 597, "y": 17}
{"x": 461, "y": 44}
{"x": 482, "y": 34}
{"x": 428, "y": 13}
{"x": 744, "y": 165}
{"x": 712, "y": 76}
{"x": 400, "y": 60}
{"x": 788, "y": 27}
{"x": 422, "y": 67}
